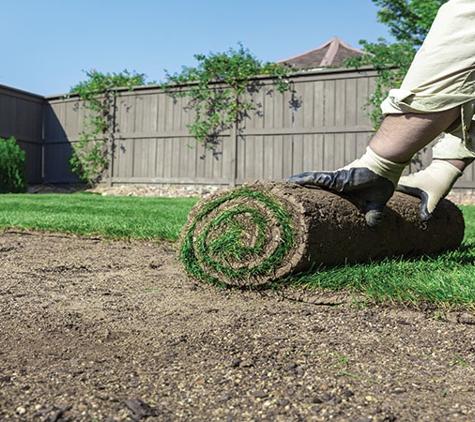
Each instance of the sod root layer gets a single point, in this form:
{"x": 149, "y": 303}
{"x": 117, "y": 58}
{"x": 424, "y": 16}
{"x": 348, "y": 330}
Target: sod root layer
{"x": 265, "y": 231}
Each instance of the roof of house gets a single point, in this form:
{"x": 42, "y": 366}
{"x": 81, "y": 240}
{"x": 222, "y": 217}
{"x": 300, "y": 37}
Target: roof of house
{"x": 333, "y": 53}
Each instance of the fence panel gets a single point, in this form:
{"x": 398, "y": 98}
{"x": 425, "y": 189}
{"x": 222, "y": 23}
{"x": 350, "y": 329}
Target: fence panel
{"x": 63, "y": 122}
{"x": 21, "y": 116}
{"x": 319, "y": 125}
{"x": 152, "y": 143}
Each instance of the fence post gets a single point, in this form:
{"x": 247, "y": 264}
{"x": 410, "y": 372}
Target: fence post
{"x": 234, "y": 154}
{"x": 111, "y": 143}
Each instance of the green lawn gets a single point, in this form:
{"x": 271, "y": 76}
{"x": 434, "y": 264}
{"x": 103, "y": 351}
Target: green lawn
{"x": 445, "y": 279}
{"x": 115, "y": 217}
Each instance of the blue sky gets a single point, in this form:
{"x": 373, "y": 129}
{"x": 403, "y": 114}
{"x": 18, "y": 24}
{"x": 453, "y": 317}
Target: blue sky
{"x": 47, "y": 45}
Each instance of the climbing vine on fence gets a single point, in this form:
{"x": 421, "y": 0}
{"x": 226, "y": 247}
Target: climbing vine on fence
{"x": 216, "y": 88}
{"x": 91, "y": 153}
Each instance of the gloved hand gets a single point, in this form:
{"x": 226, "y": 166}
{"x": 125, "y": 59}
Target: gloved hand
{"x": 430, "y": 185}
{"x": 371, "y": 179}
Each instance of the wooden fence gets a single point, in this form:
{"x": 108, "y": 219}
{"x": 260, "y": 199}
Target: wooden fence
{"x": 21, "y": 116}
{"x": 319, "y": 125}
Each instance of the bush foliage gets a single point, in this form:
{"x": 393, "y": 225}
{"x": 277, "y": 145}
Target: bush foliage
{"x": 12, "y": 167}
{"x": 91, "y": 153}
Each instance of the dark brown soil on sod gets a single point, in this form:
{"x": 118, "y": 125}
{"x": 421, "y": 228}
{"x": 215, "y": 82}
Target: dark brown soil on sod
{"x": 99, "y": 330}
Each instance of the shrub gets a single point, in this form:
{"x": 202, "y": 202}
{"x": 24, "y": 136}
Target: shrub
{"x": 12, "y": 167}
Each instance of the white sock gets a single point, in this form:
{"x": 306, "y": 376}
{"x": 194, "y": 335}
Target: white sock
{"x": 379, "y": 165}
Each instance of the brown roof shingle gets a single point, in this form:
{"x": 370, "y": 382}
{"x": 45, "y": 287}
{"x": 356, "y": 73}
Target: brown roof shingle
{"x": 333, "y": 53}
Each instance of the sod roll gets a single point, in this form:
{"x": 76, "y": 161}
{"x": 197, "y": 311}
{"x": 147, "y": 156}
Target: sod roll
{"x": 265, "y": 231}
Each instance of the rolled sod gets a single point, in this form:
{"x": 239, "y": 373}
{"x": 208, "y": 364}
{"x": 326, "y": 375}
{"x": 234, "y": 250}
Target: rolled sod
{"x": 265, "y": 231}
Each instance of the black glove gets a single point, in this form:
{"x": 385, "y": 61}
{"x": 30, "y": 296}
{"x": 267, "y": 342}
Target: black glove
{"x": 362, "y": 183}
{"x": 371, "y": 180}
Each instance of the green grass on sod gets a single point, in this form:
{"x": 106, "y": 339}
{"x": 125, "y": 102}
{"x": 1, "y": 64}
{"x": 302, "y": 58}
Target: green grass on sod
{"x": 445, "y": 279}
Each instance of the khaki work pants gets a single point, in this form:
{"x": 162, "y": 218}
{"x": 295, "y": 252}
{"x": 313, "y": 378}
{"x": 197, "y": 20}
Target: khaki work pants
{"x": 442, "y": 76}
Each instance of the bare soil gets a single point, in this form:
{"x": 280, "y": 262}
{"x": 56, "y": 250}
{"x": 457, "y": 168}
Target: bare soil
{"x": 114, "y": 331}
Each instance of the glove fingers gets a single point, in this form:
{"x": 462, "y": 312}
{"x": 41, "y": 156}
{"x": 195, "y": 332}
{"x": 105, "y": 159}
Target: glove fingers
{"x": 374, "y": 214}
{"x": 327, "y": 180}
{"x": 304, "y": 179}
{"x": 422, "y": 195}
{"x": 344, "y": 180}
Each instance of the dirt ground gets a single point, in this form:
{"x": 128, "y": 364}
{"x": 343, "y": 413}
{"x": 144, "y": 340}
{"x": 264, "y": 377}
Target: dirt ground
{"x": 94, "y": 330}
